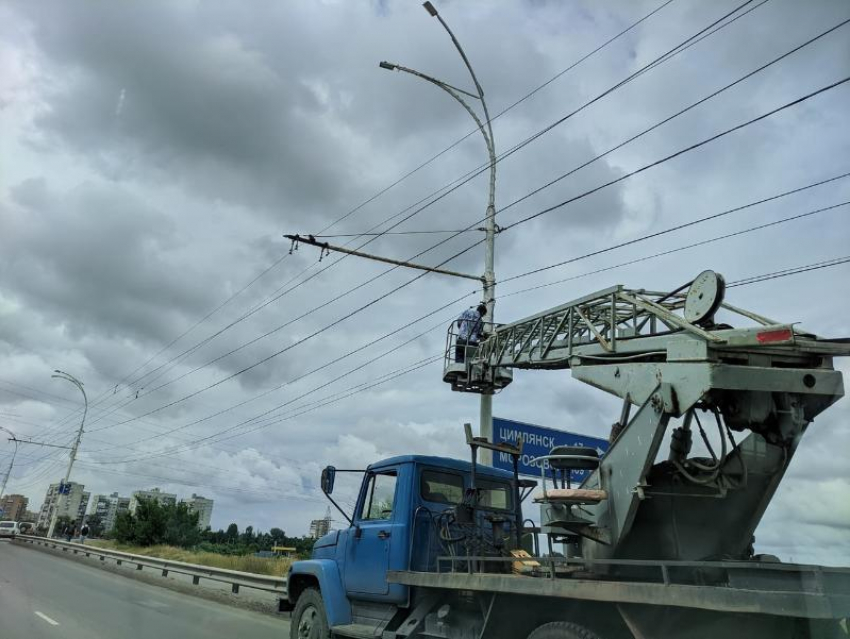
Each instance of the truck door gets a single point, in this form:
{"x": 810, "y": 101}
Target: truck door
{"x": 368, "y": 551}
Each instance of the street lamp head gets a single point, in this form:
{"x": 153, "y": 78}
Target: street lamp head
{"x": 430, "y": 9}
{"x": 388, "y": 65}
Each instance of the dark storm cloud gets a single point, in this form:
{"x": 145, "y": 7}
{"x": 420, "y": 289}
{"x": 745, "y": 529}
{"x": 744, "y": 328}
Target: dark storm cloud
{"x": 145, "y": 90}
{"x": 94, "y": 260}
{"x": 238, "y": 109}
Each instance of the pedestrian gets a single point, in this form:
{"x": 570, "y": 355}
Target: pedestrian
{"x": 84, "y": 532}
{"x": 470, "y": 326}
{"x": 69, "y": 532}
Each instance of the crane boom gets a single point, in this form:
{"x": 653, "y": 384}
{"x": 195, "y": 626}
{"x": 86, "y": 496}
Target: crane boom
{"x": 618, "y": 324}
{"x": 667, "y": 354}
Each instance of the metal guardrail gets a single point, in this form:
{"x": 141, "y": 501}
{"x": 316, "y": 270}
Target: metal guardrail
{"x": 235, "y": 578}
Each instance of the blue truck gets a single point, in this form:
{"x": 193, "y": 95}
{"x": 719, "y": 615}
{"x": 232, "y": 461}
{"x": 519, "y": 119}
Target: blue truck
{"x": 656, "y": 542}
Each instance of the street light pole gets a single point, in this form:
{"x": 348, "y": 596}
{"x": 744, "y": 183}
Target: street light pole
{"x": 69, "y": 378}
{"x": 486, "y": 128}
{"x": 11, "y": 463}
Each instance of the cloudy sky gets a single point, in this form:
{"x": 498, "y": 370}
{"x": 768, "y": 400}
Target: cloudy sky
{"x": 153, "y": 155}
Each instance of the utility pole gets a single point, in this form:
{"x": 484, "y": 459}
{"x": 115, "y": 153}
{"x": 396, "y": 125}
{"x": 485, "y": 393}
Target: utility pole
{"x": 69, "y": 378}
{"x": 488, "y": 280}
{"x": 11, "y": 462}
{"x": 486, "y": 413}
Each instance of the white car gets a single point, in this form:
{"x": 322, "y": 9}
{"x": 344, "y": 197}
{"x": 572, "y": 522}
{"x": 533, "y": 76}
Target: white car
{"x": 9, "y": 529}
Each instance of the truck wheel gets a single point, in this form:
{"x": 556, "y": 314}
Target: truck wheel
{"x": 562, "y": 630}
{"x": 309, "y": 620}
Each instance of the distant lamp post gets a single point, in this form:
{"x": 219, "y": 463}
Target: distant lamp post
{"x": 69, "y": 378}
{"x": 14, "y": 439}
{"x": 486, "y": 128}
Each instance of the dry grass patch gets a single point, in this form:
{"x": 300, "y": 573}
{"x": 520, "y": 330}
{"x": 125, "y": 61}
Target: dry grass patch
{"x": 276, "y": 566}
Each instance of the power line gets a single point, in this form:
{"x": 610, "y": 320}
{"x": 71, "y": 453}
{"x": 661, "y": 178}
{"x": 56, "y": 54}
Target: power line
{"x": 674, "y": 116}
{"x": 266, "y": 360}
{"x": 374, "y": 197}
{"x": 678, "y": 249}
{"x": 677, "y": 227}
{"x": 47, "y": 434}
{"x": 666, "y": 56}
{"x": 687, "y": 149}
{"x": 278, "y": 495}
{"x": 837, "y": 261}
{"x": 670, "y": 251}
{"x": 694, "y": 105}
{"x": 331, "y": 399}
{"x": 322, "y": 367}
{"x": 704, "y": 219}
{"x": 547, "y": 210}
{"x": 423, "y": 363}
{"x": 505, "y": 110}
{"x": 420, "y": 232}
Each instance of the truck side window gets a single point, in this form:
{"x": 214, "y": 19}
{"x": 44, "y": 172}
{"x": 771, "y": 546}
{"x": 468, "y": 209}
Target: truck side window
{"x": 380, "y": 497}
{"x": 441, "y": 487}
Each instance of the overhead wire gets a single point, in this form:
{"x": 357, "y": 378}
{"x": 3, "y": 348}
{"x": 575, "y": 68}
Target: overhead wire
{"x": 547, "y": 210}
{"x": 510, "y": 107}
{"x": 678, "y": 249}
{"x": 743, "y": 282}
{"x": 672, "y": 117}
{"x": 45, "y": 435}
{"x": 796, "y": 270}
{"x": 672, "y": 229}
{"x": 328, "y": 364}
{"x": 270, "y": 418}
{"x": 331, "y": 399}
{"x": 664, "y": 57}
{"x": 276, "y": 494}
{"x": 380, "y": 193}
{"x": 683, "y": 151}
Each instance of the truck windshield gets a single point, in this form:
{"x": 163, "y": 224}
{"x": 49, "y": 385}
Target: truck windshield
{"x": 494, "y": 494}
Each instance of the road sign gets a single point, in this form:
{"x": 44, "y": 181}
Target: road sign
{"x": 538, "y": 441}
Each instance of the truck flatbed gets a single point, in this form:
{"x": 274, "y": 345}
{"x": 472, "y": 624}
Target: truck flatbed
{"x": 786, "y": 590}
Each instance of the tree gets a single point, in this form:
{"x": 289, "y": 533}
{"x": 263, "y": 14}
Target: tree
{"x": 63, "y": 522}
{"x": 124, "y": 530}
{"x": 95, "y": 523}
{"x": 232, "y": 533}
{"x": 151, "y": 522}
{"x": 182, "y": 526}
{"x": 154, "y": 523}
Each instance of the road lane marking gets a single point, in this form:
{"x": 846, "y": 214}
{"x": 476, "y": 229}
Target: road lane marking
{"x": 46, "y": 618}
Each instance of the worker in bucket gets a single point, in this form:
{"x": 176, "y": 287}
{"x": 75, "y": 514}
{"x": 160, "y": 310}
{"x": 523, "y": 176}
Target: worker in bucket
{"x": 470, "y": 326}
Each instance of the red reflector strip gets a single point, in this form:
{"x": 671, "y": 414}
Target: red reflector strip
{"x": 781, "y": 335}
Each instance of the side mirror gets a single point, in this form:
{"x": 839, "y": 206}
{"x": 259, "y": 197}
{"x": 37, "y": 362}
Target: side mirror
{"x": 328, "y": 477}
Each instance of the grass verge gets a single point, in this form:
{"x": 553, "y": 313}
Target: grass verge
{"x": 276, "y": 566}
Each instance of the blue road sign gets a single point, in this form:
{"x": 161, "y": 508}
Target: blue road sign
{"x": 538, "y": 441}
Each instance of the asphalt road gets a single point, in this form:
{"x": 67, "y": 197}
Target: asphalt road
{"x": 47, "y": 596}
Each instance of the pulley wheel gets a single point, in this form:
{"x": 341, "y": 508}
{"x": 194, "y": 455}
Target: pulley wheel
{"x": 704, "y": 297}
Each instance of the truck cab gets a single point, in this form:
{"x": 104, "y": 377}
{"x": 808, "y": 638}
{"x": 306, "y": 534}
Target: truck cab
{"x": 404, "y": 505}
